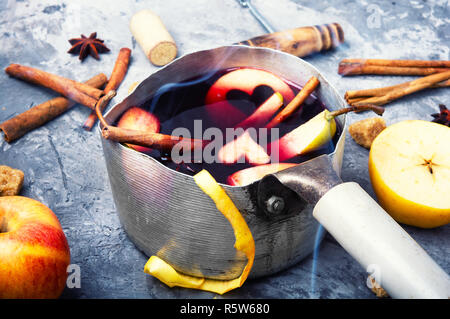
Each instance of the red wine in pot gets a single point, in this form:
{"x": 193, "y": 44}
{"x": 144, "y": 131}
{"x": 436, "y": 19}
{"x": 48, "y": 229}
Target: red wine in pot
{"x": 182, "y": 105}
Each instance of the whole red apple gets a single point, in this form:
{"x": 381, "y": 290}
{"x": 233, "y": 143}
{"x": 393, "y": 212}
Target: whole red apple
{"x": 34, "y": 253}
{"x": 136, "y": 118}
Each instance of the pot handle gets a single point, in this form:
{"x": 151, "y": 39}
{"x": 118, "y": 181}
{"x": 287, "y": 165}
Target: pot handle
{"x": 377, "y": 241}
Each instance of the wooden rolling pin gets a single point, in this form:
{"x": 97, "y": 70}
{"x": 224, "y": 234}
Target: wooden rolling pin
{"x": 301, "y": 41}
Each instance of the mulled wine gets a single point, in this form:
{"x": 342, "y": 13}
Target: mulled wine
{"x": 212, "y": 106}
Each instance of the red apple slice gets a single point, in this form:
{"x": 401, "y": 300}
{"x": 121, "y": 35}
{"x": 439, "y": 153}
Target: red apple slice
{"x": 246, "y": 80}
{"x": 245, "y": 146}
{"x": 263, "y": 113}
{"x": 253, "y": 174}
{"x": 136, "y": 118}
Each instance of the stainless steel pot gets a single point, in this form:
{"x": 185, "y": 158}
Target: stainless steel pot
{"x": 165, "y": 214}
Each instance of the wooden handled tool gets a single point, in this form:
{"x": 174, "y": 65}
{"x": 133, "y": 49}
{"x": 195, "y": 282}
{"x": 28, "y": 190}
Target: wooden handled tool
{"x": 301, "y": 41}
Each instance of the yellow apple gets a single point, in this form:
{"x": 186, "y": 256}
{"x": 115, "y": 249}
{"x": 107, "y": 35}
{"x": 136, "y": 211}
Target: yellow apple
{"x": 409, "y": 167}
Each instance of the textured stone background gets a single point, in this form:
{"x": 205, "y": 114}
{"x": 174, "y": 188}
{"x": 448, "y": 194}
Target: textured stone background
{"x": 63, "y": 164}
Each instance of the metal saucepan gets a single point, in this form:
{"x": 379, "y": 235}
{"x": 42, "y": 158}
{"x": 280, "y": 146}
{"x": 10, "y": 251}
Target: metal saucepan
{"x": 165, "y": 214}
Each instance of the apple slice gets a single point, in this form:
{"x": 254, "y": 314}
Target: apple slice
{"x": 253, "y": 174}
{"x": 263, "y": 113}
{"x": 243, "y": 146}
{"x": 136, "y": 118}
{"x": 246, "y": 80}
{"x": 409, "y": 167}
{"x": 308, "y": 137}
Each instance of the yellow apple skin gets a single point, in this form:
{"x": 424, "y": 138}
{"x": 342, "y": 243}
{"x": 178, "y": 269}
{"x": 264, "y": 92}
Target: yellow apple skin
{"x": 34, "y": 253}
{"x": 401, "y": 179}
{"x": 308, "y": 137}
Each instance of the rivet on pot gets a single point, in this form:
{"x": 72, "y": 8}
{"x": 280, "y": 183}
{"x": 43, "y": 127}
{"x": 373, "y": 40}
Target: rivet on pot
{"x": 275, "y": 205}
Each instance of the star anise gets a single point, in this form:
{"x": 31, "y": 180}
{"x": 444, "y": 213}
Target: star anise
{"x": 84, "y": 46}
{"x": 443, "y": 117}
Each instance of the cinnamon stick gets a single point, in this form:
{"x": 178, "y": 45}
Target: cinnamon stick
{"x": 404, "y": 89}
{"x": 73, "y": 90}
{"x": 357, "y": 108}
{"x": 400, "y": 63}
{"x": 359, "y": 69}
{"x": 293, "y": 105}
{"x": 38, "y": 115}
{"x": 118, "y": 74}
{"x": 158, "y": 141}
{"x": 361, "y": 94}
{"x": 351, "y": 101}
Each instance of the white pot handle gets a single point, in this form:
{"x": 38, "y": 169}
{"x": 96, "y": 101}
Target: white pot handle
{"x": 378, "y": 242}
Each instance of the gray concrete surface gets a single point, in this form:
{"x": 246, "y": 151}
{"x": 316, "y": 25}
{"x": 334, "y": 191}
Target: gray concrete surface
{"x": 64, "y": 167}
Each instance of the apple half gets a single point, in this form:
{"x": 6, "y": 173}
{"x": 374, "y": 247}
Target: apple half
{"x": 409, "y": 168}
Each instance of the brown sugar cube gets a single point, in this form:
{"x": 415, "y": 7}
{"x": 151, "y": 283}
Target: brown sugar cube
{"x": 377, "y": 289}
{"x": 365, "y": 131}
{"x": 11, "y": 181}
